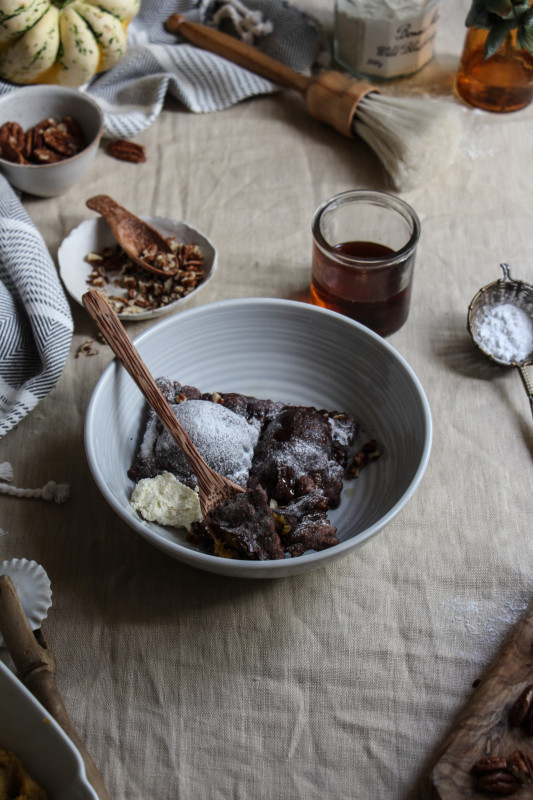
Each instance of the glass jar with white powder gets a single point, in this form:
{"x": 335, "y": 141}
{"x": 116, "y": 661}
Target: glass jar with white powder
{"x": 383, "y": 39}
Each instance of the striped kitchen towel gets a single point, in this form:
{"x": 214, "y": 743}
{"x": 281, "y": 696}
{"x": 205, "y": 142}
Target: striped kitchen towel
{"x": 132, "y": 94}
{"x": 35, "y": 320}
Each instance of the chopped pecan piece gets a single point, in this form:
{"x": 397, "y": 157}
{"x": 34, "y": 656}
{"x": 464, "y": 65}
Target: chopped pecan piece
{"x": 369, "y": 452}
{"x": 142, "y": 290}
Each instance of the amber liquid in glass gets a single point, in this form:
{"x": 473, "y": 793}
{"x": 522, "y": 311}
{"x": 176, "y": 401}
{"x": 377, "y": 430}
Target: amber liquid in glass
{"x": 378, "y": 296}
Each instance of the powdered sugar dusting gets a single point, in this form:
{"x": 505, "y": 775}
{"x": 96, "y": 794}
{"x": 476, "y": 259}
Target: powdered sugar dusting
{"x": 225, "y": 440}
{"x": 487, "y": 628}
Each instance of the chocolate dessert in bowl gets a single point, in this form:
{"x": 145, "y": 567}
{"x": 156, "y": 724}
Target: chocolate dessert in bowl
{"x": 310, "y": 388}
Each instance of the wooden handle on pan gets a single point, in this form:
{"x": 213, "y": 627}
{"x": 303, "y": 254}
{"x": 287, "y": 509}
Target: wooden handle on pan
{"x": 36, "y": 665}
{"x": 330, "y": 97}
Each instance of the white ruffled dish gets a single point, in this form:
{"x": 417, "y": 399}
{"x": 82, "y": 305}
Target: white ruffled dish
{"x": 92, "y": 235}
{"x": 32, "y": 586}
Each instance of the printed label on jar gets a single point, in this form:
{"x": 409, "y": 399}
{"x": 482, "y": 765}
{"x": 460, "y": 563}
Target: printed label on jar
{"x": 385, "y": 48}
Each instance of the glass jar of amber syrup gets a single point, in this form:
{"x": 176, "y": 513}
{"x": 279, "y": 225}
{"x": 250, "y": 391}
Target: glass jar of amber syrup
{"x": 503, "y": 82}
{"x": 364, "y": 246}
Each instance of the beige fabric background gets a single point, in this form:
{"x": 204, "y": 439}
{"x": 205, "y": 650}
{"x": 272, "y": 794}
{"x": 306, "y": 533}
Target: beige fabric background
{"x": 342, "y": 682}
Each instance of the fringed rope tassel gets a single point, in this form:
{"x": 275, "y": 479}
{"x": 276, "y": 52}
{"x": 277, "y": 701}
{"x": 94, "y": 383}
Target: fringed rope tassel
{"x": 51, "y": 491}
{"x": 248, "y": 24}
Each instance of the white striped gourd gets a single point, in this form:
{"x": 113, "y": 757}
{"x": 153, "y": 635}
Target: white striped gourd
{"x": 62, "y": 41}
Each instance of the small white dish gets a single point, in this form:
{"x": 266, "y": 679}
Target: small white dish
{"x": 46, "y": 752}
{"x": 92, "y": 235}
{"x": 28, "y": 106}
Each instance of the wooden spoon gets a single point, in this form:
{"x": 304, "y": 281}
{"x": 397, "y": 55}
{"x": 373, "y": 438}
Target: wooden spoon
{"x": 214, "y": 488}
{"x": 134, "y": 235}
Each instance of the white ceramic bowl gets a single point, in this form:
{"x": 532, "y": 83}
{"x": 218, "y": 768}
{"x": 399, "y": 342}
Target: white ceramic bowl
{"x": 27, "y": 729}
{"x": 283, "y": 350}
{"x": 92, "y": 235}
{"x": 28, "y": 106}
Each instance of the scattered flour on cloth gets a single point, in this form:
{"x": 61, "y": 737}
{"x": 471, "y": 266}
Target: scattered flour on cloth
{"x": 487, "y": 624}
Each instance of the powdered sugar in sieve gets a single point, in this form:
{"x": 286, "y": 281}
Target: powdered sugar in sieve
{"x": 500, "y": 321}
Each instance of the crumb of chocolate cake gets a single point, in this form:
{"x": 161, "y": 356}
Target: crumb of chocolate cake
{"x": 304, "y": 525}
{"x": 290, "y": 459}
{"x": 368, "y": 453}
{"x": 244, "y": 527}
{"x": 295, "y": 456}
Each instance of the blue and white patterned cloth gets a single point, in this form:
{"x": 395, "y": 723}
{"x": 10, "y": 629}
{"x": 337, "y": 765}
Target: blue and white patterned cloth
{"x": 132, "y": 93}
{"x": 35, "y": 318}
{"x": 35, "y": 321}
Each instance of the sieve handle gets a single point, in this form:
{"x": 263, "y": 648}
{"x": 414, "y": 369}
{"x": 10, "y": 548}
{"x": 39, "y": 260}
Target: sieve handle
{"x": 527, "y": 383}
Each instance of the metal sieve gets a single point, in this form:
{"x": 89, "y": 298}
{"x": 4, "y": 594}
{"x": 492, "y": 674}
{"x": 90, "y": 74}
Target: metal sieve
{"x": 504, "y": 290}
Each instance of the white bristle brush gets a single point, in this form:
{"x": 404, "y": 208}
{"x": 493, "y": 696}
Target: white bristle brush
{"x": 414, "y": 138}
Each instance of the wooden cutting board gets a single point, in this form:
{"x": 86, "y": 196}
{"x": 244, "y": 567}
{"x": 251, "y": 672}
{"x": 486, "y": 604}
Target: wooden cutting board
{"x": 482, "y": 728}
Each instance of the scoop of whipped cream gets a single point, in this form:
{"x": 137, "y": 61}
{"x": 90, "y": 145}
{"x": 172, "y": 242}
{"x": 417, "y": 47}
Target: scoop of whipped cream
{"x": 165, "y": 500}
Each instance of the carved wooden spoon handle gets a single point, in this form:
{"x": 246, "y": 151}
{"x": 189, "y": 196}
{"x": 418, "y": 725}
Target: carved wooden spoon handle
{"x": 119, "y": 341}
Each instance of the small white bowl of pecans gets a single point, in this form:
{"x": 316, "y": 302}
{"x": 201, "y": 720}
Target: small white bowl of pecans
{"x": 49, "y": 136}
{"x": 90, "y": 258}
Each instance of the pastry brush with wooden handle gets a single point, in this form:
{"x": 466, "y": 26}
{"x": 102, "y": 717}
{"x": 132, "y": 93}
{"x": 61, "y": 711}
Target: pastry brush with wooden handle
{"x": 414, "y": 138}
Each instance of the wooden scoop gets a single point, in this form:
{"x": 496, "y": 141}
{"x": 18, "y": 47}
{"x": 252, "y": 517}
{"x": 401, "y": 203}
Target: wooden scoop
{"x": 36, "y": 666}
{"x": 135, "y": 236}
{"x": 214, "y": 488}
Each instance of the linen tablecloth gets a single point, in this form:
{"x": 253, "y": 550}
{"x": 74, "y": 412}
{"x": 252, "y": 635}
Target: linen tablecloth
{"x": 340, "y": 683}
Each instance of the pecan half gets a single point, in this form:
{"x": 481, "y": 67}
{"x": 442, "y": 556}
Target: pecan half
{"x": 493, "y": 776}
{"x": 73, "y": 129}
{"x": 11, "y": 153}
{"x": 60, "y": 141}
{"x": 127, "y": 151}
{"x": 13, "y": 133}
{"x": 43, "y": 155}
{"x": 499, "y": 784}
{"x": 489, "y": 764}
{"x": 521, "y": 767}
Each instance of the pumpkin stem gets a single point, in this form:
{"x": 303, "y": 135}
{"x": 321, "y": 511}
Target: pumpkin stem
{"x": 61, "y": 3}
